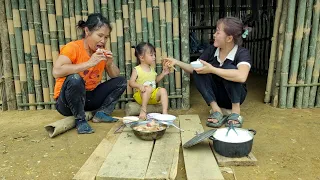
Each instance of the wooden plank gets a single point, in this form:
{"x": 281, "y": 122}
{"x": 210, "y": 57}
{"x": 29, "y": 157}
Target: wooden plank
{"x": 91, "y": 167}
{"x": 249, "y": 160}
{"x": 199, "y": 160}
{"x": 128, "y": 159}
{"x": 165, "y": 155}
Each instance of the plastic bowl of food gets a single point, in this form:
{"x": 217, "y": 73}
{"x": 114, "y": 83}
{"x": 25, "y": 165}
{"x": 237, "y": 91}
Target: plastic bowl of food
{"x": 196, "y": 64}
{"x": 148, "y": 130}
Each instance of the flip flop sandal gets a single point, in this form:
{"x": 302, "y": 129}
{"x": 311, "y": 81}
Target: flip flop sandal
{"x": 235, "y": 117}
{"x": 218, "y": 116}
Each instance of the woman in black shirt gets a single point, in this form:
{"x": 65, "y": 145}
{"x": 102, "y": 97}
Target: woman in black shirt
{"x": 226, "y": 65}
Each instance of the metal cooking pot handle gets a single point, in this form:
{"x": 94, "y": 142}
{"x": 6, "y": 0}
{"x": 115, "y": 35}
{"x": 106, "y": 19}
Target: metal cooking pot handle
{"x": 211, "y": 138}
{"x": 253, "y": 131}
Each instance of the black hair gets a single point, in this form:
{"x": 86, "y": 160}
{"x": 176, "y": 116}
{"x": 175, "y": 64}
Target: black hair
{"x": 141, "y": 49}
{"x": 94, "y": 22}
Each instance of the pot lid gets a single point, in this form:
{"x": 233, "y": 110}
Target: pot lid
{"x": 199, "y": 138}
{"x": 240, "y": 136}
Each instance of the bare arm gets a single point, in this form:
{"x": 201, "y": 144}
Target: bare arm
{"x": 169, "y": 62}
{"x": 64, "y": 67}
{"x": 112, "y": 70}
{"x": 132, "y": 81}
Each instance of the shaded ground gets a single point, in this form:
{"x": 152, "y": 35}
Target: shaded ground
{"x": 286, "y": 145}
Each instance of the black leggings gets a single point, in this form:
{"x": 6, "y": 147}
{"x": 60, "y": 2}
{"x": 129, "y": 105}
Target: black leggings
{"x": 75, "y": 100}
{"x": 214, "y": 88}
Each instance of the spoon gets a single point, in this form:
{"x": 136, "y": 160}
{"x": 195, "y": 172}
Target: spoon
{"x": 170, "y": 124}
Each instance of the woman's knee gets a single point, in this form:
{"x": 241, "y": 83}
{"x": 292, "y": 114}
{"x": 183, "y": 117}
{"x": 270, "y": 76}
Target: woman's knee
{"x": 122, "y": 81}
{"x": 75, "y": 80}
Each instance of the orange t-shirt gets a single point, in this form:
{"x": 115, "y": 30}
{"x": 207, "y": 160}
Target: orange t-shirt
{"x": 76, "y": 52}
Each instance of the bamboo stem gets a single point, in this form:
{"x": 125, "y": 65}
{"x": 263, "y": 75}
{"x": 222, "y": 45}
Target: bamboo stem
{"x": 97, "y": 6}
{"x": 163, "y": 33}
{"x": 66, "y": 22}
{"x": 91, "y": 6}
{"x": 138, "y": 21}
{"x": 144, "y": 20}
{"x": 150, "y": 22}
{"x": 6, "y": 59}
{"x": 132, "y": 26}
{"x": 72, "y": 20}
{"x": 84, "y": 10}
{"x": 78, "y": 14}
{"x": 60, "y": 25}
{"x": 156, "y": 21}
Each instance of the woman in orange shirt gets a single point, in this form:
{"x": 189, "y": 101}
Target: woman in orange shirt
{"x": 78, "y": 72}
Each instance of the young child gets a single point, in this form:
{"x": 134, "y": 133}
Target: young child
{"x": 144, "y": 78}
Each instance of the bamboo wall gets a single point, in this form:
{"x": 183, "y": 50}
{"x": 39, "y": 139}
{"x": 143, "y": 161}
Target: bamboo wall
{"x": 293, "y": 78}
{"x": 32, "y": 32}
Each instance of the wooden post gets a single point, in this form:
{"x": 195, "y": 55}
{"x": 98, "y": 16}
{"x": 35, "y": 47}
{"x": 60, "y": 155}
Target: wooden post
{"x": 41, "y": 51}
{"x": 296, "y": 52}
{"x": 34, "y": 56}
{"x": 184, "y": 24}
{"x": 6, "y": 59}
{"x": 304, "y": 53}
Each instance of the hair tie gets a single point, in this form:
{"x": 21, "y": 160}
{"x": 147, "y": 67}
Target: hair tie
{"x": 245, "y": 33}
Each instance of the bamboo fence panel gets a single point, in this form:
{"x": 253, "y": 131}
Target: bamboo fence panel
{"x": 34, "y": 56}
{"x": 304, "y": 53}
{"x": 144, "y": 20}
{"x": 296, "y": 52}
{"x": 72, "y": 20}
{"x": 6, "y": 60}
{"x": 138, "y": 15}
{"x": 20, "y": 51}
{"x": 27, "y": 53}
{"x": 41, "y": 52}
{"x": 60, "y": 23}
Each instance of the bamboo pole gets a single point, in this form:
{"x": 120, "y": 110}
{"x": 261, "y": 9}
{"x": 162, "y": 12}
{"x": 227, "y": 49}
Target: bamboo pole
{"x": 34, "y": 56}
{"x": 304, "y": 53}
{"x": 315, "y": 74}
{"x": 127, "y": 45}
{"x": 172, "y": 87}
{"x": 91, "y": 6}
{"x": 286, "y": 53}
{"x": 312, "y": 51}
{"x": 41, "y": 52}
{"x": 144, "y": 20}
{"x": 184, "y": 24}
{"x": 77, "y": 5}
{"x": 138, "y": 21}
{"x": 66, "y": 22}
{"x": 163, "y": 33}
{"x": 60, "y": 25}
{"x": 72, "y": 20}
{"x": 27, "y": 53}
{"x": 84, "y": 10}
{"x": 47, "y": 47}
{"x": 275, "y": 99}
{"x": 104, "y": 8}
{"x": 6, "y": 59}
{"x": 20, "y": 53}
{"x": 120, "y": 44}
{"x": 176, "y": 46}
{"x": 97, "y": 6}
{"x": 318, "y": 98}
{"x": 296, "y": 52}
{"x": 150, "y": 22}
{"x": 132, "y": 26}
{"x": 156, "y": 21}
{"x": 53, "y": 30}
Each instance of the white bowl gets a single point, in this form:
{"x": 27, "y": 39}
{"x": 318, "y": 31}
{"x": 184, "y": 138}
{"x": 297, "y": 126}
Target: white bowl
{"x": 196, "y": 64}
{"x": 164, "y": 117}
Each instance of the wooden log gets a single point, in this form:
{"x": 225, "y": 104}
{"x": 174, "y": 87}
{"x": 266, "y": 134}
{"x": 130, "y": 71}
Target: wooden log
{"x": 176, "y": 47}
{"x": 144, "y": 21}
{"x": 60, "y": 23}
{"x": 66, "y": 21}
{"x": 72, "y": 20}
{"x": 312, "y": 52}
{"x": 137, "y": 7}
{"x": 27, "y": 53}
{"x": 296, "y": 52}
{"x": 97, "y": 6}
{"x": 47, "y": 47}
{"x": 63, "y": 125}
{"x": 184, "y": 24}
{"x": 172, "y": 88}
{"x": 127, "y": 45}
{"x": 275, "y": 99}
{"x": 41, "y": 52}
{"x": 84, "y": 11}
{"x": 150, "y": 22}
{"x": 20, "y": 53}
{"x": 34, "y": 56}
{"x": 304, "y": 53}
{"x": 6, "y": 59}
{"x": 77, "y": 10}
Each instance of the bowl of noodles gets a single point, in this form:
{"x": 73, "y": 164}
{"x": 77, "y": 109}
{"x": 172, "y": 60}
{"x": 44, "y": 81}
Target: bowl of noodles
{"x": 148, "y": 130}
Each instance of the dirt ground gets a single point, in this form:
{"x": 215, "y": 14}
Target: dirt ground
{"x": 286, "y": 145}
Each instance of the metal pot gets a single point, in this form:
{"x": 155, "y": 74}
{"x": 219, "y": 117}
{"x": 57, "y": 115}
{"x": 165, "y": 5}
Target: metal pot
{"x": 236, "y": 144}
{"x": 148, "y": 136}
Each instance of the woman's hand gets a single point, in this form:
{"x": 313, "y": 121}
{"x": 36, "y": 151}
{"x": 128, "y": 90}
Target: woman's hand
{"x": 206, "y": 69}
{"x": 168, "y": 62}
{"x": 108, "y": 55}
{"x": 96, "y": 58}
